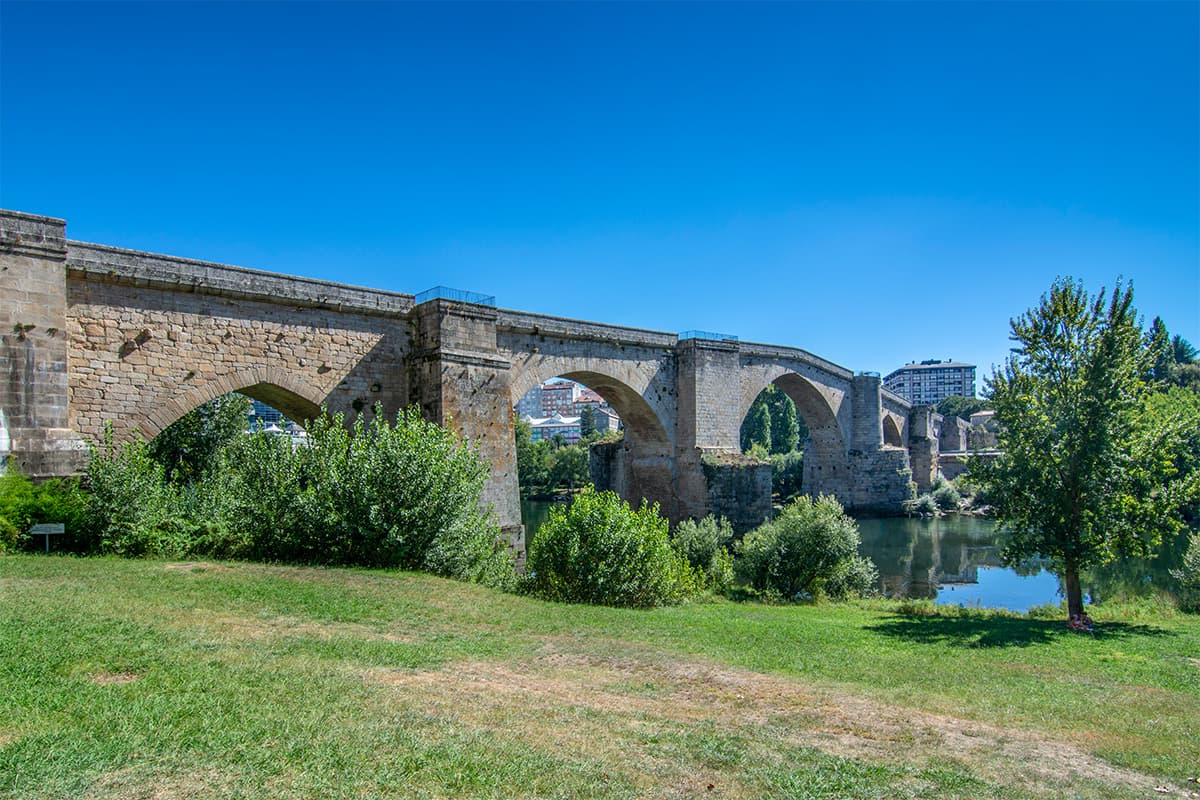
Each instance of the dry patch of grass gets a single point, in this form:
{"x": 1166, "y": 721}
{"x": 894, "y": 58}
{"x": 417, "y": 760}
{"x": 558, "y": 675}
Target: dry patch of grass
{"x": 149, "y": 783}
{"x": 607, "y": 708}
{"x": 111, "y": 678}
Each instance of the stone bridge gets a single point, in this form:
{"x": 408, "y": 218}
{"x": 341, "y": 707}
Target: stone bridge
{"x": 93, "y": 334}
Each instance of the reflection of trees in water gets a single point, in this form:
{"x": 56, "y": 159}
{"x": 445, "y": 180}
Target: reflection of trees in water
{"x": 1137, "y": 577}
{"x": 915, "y": 556}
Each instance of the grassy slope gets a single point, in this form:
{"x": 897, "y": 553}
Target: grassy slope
{"x": 133, "y": 678}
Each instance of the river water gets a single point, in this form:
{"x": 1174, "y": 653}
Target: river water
{"x": 956, "y": 560}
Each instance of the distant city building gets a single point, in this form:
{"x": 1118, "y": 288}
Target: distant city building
{"x": 607, "y": 420}
{"x": 930, "y": 382}
{"x": 566, "y": 399}
{"x": 550, "y": 427}
{"x": 263, "y": 416}
{"x": 530, "y": 405}
{"x": 558, "y": 397}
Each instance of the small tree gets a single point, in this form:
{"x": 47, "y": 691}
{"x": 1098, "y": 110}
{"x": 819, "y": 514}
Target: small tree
{"x": 785, "y": 428}
{"x": 188, "y": 446}
{"x": 587, "y": 421}
{"x": 756, "y": 429}
{"x": 1082, "y": 477}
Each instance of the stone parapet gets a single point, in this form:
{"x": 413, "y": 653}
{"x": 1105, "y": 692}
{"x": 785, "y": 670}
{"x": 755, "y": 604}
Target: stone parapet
{"x": 135, "y": 268}
{"x": 562, "y": 327}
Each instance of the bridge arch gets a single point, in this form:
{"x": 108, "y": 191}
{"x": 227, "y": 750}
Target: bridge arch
{"x": 627, "y": 395}
{"x": 891, "y": 431}
{"x": 826, "y": 464}
{"x": 295, "y": 399}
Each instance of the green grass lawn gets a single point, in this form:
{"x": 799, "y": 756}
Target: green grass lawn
{"x": 148, "y": 679}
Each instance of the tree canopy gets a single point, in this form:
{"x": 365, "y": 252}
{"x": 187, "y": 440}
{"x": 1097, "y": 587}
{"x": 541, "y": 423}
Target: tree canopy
{"x": 1086, "y": 473}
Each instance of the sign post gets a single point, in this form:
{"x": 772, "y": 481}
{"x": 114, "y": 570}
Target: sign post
{"x": 48, "y": 529}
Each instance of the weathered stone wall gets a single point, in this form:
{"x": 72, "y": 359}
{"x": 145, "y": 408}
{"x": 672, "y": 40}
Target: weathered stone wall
{"x": 462, "y": 381}
{"x": 739, "y": 489}
{"x": 95, "y": 334}
{"x": 923, "y": 447}
{"x": 34, "y": 376}
{"x": 142, "y": 352}
{"x": 954, "y": 435}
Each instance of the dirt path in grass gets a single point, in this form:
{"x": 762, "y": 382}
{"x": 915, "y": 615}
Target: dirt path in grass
{"x": 591, "y": 706}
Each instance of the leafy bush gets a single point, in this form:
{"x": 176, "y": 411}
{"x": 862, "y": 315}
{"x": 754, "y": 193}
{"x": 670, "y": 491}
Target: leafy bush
{"x": 132, "y": 510}
{"x": 24, "y": 503}
{"x": 600, "y": 551}
{"x": 946, "y": 497}
{"x": 704, "y": 544}
{"x": 1188, "y": 596}
{"x": 810, "y": 549}
{"x": 925, "y": 504}
{"x": 374, "y": 494}
{"x": 10, "y": 536}
{"x": 786, "y": 472}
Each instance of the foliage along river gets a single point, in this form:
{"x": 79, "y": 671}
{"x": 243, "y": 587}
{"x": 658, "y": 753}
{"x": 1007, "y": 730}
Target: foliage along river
{"x": 956, "y": 560}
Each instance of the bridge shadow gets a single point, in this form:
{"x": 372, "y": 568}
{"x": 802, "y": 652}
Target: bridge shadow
{"x": 983, "y": 629}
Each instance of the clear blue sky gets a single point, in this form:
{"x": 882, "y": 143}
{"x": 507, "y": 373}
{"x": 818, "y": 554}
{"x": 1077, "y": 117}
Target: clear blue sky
{"x": 875, "y": 183}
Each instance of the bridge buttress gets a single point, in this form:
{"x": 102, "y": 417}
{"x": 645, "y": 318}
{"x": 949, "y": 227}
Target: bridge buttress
{"x": 712, "y": 476}
{"x": 461, "y": 381}
{"x": 35, "y": 435}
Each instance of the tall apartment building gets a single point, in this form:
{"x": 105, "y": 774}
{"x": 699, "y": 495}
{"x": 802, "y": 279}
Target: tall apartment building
{"x": 558, "y": 397}
{"x": 530, "y": 405}
{"x": 930, "y": 382}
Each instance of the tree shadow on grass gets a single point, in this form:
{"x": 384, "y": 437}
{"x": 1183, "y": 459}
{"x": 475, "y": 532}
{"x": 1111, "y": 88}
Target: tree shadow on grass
{"x": 992, "y": 630}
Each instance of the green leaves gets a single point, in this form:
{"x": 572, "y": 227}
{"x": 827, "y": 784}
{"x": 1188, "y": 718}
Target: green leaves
{"x": 600, "y": 551}
{"x": 1085, "y": 473}
{"x": 811, "y": 548}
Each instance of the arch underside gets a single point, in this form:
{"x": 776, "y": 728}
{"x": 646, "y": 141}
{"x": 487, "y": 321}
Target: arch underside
{"x": 643, "y": 424}
{"x": 293, "y": 398}
{"x": 826, "y": 447}
{"x": 891, "y": 432}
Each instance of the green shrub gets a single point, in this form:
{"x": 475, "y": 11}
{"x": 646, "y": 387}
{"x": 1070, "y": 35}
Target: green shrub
{"x": 946, "y": 497}
{"x": 10, "y": 536}
{"x": 403, "y": 495}
{"x": 809, "y": 550}
{"x": 25, "y": 503}
{"x": 925, "y": 504}
{"x": 1188, "y": 596}
{"x": 600, "y": 551}
{"x": 705, "y": 546}
{"x": 787, "y": 469}
{"x": 132, "y": 510}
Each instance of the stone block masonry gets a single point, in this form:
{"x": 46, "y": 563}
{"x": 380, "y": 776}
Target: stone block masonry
{"x": 92, "y": 336}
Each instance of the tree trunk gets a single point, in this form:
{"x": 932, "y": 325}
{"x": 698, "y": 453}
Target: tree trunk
{"x": 1074, "y": 593}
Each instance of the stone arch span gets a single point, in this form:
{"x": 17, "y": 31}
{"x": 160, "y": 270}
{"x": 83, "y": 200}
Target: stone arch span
{"x": 643, "y": 422}
{"x": 891, "y": 432}
{"x": 641, "y": 465}
{"x": 277, "y": 388}
{"x": 826, "y": 465}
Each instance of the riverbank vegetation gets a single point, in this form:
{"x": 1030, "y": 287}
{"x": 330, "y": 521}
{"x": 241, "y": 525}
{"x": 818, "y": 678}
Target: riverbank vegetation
{"x": 1096, "y": 460}
{"x": 400, "y": 494}
{"x": 137, "y": 678}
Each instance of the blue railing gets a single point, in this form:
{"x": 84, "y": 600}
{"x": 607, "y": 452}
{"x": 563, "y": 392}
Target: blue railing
{"x": 461, "y": 295}
{"x": 716, "y": 337}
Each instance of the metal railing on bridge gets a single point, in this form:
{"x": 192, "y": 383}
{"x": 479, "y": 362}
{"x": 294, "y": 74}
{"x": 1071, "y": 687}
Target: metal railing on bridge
{"x": 716, "y": 337}
{"x": 461, "y": 295}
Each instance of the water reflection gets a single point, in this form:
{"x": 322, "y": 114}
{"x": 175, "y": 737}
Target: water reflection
{"x": 956, "y": 560}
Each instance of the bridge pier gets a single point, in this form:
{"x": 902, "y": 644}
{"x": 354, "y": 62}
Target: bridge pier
{"x": 460, "y": 382}
{"x": 34, "y": 429}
